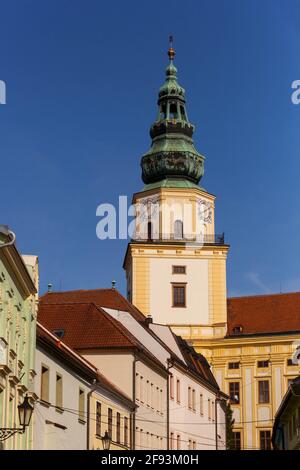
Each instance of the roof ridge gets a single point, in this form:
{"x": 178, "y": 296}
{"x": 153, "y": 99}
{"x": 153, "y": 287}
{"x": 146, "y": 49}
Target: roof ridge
{"x": 279, "y": 294}
{"x": 114, "y": 322}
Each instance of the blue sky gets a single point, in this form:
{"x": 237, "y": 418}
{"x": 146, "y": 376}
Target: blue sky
{"x": 82, "y": 79}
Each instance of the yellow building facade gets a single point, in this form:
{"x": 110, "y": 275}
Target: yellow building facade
{"x": 176, "y": 273}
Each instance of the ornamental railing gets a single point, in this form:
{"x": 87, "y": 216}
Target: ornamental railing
{"x": 216, "y": 239}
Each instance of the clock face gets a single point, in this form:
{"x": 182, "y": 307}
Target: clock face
{"x": 204, "y": 211}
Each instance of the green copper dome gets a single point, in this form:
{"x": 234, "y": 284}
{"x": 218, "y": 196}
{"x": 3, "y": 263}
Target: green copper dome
{"x": 172, "y": 154}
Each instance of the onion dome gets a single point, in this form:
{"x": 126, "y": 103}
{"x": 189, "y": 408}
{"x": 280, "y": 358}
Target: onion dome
{"x": 172, "y": 155}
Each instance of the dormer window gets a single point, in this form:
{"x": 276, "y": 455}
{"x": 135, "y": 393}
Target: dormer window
{"x": 60, "y": 333}
{"x": 237, "y": 330}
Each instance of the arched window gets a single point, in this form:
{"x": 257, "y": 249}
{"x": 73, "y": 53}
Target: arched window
{"x": 178, "y": 229}
{"x": 149, "y": 227}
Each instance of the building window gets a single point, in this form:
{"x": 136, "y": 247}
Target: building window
{"x": 213, "y": 410}
{"x": 152, "y": 396}
{"x": 190, "y": 398}
{"x": 148, "y": 393}
{"x": 178, "y": 391}
{"x": 179, "y": 270}
{"x": 126, "y": 441}
{"x": 263, "y": 364}
{"x": 194, "y": 400}
{"x": 209, "y": 408}
{"x": 234, "y": 392}
{"x": 233, "y": 365}
{"x": 178, "y": 229}
{"x": 265, "y": 440}
{"x": 110, "y": 423}
{"x": 172, "y": 387}
{"x": 194, "y": 445}
{"x": 161, "y": 401}
{"x": 142, "y": 389}
{"x": 81, "y": 405}
{"x": 237, "y": 440}
{"x": 171, "y": 441}
{"x": 263, "y": 391}
{"x": 137, "y": 386}
{"x": 190, "y": 444}
{"x": 45, "y": 384}
{"x": 289, "y": 362}
{"x": 178, "y": 441}
{"x": 201, "y": 404}
{"x": 237, "y": 330}
{"x": 59, "y": 392}
{"x": 179, "y": 295}
{"x": 157, "y": 399}
{"x": 118, "y": 428}
{"x": 98, "y": 419}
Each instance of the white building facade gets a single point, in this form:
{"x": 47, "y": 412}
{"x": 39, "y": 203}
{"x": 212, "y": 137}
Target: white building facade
{"x": 196, "y": 418}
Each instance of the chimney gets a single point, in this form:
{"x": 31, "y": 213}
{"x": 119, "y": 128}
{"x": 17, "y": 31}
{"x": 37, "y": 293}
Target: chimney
{"x": 148, "y": 320}
{"x": 49, "y": 287}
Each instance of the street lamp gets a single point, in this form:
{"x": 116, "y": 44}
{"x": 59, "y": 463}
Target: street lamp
{"x": 106, "y": 440}
{"x": 4, "y": 230}
{"x": 25, "y": 410}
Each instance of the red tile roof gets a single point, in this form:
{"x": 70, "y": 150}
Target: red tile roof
{"x": 87, "y": 326}
{"x": 43, "y": 333}
{"x": 109, "y": 298}
{"x": 197, "y": 363}
{"x": 263, "y": 314}
{"x": 84, "y": 325}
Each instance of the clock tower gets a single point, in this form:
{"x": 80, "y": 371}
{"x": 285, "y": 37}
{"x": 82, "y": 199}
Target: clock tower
{"x": 175, "y": 263}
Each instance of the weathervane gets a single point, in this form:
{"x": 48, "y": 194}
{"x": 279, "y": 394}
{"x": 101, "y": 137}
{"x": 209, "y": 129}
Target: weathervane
{"x": 171, "y": 52}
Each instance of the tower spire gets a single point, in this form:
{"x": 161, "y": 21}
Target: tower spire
{"x": 172, "y": 155}
{"x": 171, "y": 52}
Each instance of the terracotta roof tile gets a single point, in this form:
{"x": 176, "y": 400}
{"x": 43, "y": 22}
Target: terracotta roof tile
{"x": 109, "y": 298}
{"x": 88, "y": 326}
{"x": 196, "y": 362}
{"x": 44, "y": 333}
{"x": 83, "y": 325}
{"x": 263, "y": 314}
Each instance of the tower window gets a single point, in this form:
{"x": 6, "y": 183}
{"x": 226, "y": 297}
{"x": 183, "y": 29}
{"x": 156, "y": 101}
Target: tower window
{"x": 179, "y": 295}
{"x": 163, "y": 112}
{"x": 149, "y": 228}
{"x": 182, "y": 112}
{"x": 173, "y": 111}
{"x": 178, "y": 229}
{"x": 179, "y": 269}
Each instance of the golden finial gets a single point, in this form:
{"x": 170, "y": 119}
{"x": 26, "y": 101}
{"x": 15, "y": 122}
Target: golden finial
{"x": 171, "y": 52}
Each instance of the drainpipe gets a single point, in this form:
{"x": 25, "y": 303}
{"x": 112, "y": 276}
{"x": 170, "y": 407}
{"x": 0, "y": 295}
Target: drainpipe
{"x": 134, "y": 400}
{"x": 216, "y": 420}
{"x": 88, "y": 412}
{"x": 170, "y": 365}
